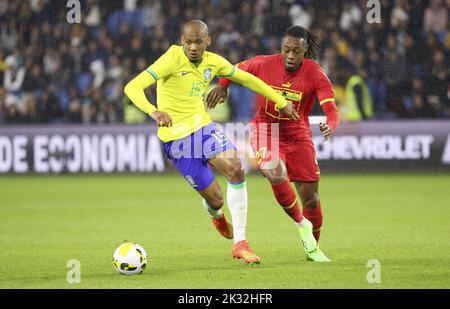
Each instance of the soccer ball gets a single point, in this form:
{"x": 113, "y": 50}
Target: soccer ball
{"x": 130, "y": 259}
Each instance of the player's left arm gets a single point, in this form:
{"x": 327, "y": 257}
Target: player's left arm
{"x": 325, "y": 94}
{"x": 254, "y": 83}
{"x": 220, "y": 92}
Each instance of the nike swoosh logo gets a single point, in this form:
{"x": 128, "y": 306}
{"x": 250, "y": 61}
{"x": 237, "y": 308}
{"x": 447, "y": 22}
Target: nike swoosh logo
{"x": 184, "y": 73}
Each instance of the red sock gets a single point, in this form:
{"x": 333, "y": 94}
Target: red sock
{"x": 287, "y": 198}
{"x": 316, "y": 218}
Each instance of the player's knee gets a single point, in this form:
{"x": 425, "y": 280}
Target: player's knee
{"x": 235, "y": 173}
{"x": 310, "y": 200}
{"x": 275, "y": 176}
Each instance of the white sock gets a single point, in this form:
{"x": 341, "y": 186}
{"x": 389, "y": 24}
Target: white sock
{"x": 237, "y": 203}
{"x": 215, "y": 213}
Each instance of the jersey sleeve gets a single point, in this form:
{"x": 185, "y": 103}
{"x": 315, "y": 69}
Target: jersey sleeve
{"x": 323, "y": 88}
{"x": 225, "y": 68}
{"x": 325, "y": 95}
{"x": 166, "y": 64}
{"x": 250, "y": 66}
{"x": 135, "y": 92}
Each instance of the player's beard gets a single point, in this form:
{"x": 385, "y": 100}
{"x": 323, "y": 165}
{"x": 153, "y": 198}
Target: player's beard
{"x": 291, "y": 69}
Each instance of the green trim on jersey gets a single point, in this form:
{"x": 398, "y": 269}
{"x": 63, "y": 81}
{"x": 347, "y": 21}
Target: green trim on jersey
{"x": 153, "y": 74}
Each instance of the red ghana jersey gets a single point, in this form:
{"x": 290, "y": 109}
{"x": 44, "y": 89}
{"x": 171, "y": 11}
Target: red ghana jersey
{"x": 301, "y": 87}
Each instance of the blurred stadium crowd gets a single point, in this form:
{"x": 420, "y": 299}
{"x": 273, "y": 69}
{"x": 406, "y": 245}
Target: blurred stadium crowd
{"x": 55, "y": 72}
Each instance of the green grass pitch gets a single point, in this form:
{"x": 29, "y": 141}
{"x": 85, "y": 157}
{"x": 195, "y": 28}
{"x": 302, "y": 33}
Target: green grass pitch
{"x": 401, "y": 220}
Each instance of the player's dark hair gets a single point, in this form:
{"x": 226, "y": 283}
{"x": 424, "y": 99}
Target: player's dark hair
{"x": 303, "y": 33}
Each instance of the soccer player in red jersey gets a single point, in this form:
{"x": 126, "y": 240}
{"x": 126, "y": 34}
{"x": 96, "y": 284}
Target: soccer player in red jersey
{"x": 297, "y": 76}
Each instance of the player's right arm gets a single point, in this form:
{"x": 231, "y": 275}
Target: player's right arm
{"x": 135, "y": 91}
{"x": 325, "y": 94}
{"x": 135, "y": 88}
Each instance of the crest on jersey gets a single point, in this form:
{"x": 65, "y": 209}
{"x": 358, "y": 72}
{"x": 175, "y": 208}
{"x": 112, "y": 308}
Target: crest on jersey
{"x": 207, "y": 74}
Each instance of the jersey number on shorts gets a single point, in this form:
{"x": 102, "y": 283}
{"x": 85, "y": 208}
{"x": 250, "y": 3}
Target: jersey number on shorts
{"x": 220, "y": 137}
{"x": 261, "y": 154}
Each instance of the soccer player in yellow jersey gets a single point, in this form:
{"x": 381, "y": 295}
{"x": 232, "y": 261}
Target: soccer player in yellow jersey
{"x": 191, "y": 140}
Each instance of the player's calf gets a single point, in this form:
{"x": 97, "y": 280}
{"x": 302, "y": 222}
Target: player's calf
{"x": 310, "y": 200}
{"x": 215, "y": 202}
{"x": 313, "y": 212}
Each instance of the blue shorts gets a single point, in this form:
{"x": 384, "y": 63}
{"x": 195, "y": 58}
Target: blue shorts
{"x": 190, "y": 154}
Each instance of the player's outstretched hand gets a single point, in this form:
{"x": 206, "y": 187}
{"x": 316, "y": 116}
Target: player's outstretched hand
{"x": 162, "y": 119}
{"x": 216, "y": 96}
{"x": 289, "y": 110}
{"x": 326, "y": 131}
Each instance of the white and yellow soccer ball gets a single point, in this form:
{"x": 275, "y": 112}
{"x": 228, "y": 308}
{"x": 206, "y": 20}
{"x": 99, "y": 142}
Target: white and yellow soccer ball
{"x": 130, "y": 259}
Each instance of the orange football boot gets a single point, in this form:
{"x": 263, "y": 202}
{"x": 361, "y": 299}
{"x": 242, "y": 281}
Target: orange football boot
{"x": 225, "y": 229}
{"x": 242, "y": 250}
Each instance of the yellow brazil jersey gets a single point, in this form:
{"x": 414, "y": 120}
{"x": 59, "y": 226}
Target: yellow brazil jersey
{"x": 180, "y": 88}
